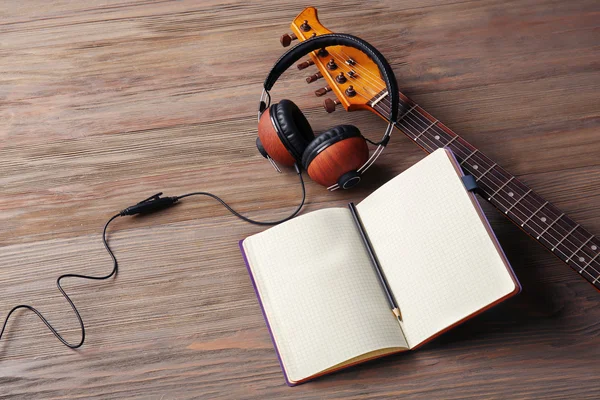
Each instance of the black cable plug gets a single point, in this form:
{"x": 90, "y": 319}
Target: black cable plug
{"x": 151, "y": 204}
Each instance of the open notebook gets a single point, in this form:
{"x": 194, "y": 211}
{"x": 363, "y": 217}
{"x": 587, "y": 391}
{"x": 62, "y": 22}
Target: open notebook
{"x": 321, "y": 297}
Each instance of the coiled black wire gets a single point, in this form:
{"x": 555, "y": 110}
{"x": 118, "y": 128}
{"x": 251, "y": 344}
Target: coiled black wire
{"x": 115, "y": 268}
{"x": 96, "y": 278}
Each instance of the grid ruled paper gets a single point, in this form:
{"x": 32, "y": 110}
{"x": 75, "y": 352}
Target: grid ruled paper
{"x": 440, "y": 261}
{"x": 321, "y": 295}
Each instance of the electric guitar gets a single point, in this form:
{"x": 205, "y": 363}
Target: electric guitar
{"x": 354, "y": 79}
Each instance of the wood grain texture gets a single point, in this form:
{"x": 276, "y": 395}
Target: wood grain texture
{"x": 103, "y": 103}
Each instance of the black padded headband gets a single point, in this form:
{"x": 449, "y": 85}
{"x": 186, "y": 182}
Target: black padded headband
{"x": 337, "y": 39}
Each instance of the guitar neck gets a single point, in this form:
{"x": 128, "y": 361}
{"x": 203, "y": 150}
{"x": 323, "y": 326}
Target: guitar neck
{"x": 541, "y": 220}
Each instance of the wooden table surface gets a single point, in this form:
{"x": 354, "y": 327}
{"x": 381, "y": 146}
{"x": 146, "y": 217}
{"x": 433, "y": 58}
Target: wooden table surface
{"x": 103, "y": 103}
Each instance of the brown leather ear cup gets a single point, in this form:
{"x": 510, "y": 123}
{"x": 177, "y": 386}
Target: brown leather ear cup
{"x": 293, "y": 127}
{"x": 284, "y": 132}
{"x": 339, "y": 150}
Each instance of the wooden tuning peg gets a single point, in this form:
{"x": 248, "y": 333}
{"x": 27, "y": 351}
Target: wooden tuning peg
{"x": 305, "y": 64}
{"x": 314, "y": 77}
{"x": 286, "y": 39}
{"x": 322, "y": 91}
{"x": 329, "y": 104}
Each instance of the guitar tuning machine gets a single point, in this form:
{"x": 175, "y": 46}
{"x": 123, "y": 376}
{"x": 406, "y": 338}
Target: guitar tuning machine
{"x": 329, "y": 105}
{"x": 314, "y": 77}
{"x": 305, "y": 26}
{"x": 305, "y": 64}
{"x": 287, "y": 38}
{"x": 350, "y": 92}
{"x": 322, "y": 91}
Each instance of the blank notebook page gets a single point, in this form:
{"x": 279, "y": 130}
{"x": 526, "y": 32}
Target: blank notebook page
{"x": 440, "y": 260}
{"x": 320, "y": 293}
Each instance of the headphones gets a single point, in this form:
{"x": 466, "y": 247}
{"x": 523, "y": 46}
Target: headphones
{"x": 339, "y": 156}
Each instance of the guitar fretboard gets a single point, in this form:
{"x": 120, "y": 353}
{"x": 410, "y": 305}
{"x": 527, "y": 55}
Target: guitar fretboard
{"x": 536, "y": 216}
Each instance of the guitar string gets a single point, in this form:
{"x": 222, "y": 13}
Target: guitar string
{"x": 552, "y": 226}
{"x": 367, "y": 98}
{"x": 573, "y": 236}
{"x": 569, "y": 232}
{"x": 443, "y": 132}
{"x": 535, "y": 226}
{"x": 436, "y": 129}
{"x": 420, "y": 128}
{"x": 583, "y": 267}
{"x": 557, "y": 219}
{"x": 571, "y": 254}
{"x": 498, "y": 193}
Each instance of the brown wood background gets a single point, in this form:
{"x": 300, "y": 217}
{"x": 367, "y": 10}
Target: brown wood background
{"x": 103, "y": 103}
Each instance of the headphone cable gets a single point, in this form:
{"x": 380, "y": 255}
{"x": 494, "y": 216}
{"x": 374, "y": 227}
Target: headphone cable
{"x": 244, "y": 218}
{"x": 82, "y": 326}
{"x": 147, "y": 206}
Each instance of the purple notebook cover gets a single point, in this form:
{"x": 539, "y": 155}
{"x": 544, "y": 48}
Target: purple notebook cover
{"x": 262, "y": 308}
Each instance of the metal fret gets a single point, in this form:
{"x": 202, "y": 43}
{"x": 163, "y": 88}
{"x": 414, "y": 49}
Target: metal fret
{"x": 453, "y": 139}
{"x": 561, "y": 240}
{"x": 488, "y": 170}
{"x": 589, "y": 262}
{"x": 535, "y": 212}
{"x": 548, "y": 227}
{"x": 406, "y": 113}
{"x": 516, "y": 202}
{"x": 469, "y": 156}
{"x": 426, "y": 129}
{"x": 501, "y": 187}
{"x": 580, "y": 247}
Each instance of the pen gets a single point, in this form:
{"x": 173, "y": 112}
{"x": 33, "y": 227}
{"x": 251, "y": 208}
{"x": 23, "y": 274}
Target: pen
{"x": 375, "y": 262}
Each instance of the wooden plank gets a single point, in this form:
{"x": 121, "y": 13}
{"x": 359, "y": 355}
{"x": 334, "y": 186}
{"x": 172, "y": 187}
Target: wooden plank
{"x": 105, "y": 103}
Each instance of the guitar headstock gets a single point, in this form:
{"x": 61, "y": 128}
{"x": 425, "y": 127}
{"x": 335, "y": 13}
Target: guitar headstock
{"x": 351, "y": 75}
